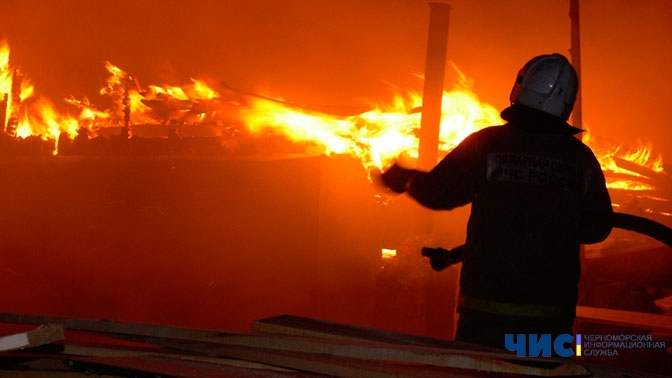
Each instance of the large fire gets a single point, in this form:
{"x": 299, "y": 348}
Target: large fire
{"x": 376, "y": 137}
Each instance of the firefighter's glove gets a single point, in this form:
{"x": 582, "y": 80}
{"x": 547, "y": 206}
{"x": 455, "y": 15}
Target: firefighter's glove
{"x": 396, "y": 177}
{"x": 440, "y": 258}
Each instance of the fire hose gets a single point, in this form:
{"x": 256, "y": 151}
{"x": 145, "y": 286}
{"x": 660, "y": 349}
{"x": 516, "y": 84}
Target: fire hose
{"x": 440, "y": 258}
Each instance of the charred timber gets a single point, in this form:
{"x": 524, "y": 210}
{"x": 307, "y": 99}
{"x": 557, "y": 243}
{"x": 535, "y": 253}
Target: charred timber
{"x": 166, "y": 110}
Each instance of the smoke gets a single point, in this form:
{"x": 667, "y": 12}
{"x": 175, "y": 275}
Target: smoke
{"x": 348, "y": 52}
{"x": 329, "y": 51}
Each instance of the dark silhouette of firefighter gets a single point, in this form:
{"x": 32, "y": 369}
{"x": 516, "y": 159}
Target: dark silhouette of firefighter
{"x": 536, "y": 193}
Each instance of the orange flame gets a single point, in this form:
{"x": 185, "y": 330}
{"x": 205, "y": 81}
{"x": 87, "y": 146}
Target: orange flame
{"x": 25, "y": 113}
{"x": 376, "y": 137}
{"x": 642, "y": 156}
{"x": 380, "y": 135}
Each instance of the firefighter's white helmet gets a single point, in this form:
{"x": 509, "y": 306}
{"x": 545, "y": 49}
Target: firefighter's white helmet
{"x": 548, "y": 83}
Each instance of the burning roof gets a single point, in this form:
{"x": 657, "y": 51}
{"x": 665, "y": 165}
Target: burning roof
{"x": 376, "y": 136}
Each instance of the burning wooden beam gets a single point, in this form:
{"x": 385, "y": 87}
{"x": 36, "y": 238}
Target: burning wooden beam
{"x": 3, "y": 111}
{"x": 657, "y": 199}
{"x": 659, "y": 180}
{"x": 13, "y": 101}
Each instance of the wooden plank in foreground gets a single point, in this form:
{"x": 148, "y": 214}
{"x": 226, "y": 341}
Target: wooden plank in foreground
{"x": 455, "y": 358}
{"x": 168, "y": 367}
{"x": 36, "y": 337}
{"x": 107, "y": 351}
{"x": 301, "y": 326}
{"x": 110, "y": 327}
{"x": 37, "y": 366}
{"x": 322, "y": 364}
{"x": 652, "y": 322}
{"x": 664, "y": 304}
{"x": 41, "y": 374}
{"x": 362, "y": 350}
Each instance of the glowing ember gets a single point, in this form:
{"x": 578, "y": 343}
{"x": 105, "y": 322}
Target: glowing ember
{"x": 388, "y": 254}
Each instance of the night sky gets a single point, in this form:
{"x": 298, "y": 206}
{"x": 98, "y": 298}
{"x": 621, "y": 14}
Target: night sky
{"x": 350, "y": 52}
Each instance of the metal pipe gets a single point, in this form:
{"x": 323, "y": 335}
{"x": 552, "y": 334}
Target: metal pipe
{"x": 435, "y": 66}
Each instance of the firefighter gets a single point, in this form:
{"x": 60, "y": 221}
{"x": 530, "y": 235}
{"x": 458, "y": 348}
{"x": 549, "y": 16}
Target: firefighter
{"x": 536, "y": 193}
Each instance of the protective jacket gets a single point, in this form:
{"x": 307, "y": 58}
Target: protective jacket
{"x": 536, "y": 193}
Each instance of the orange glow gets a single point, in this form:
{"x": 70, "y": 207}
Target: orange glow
{"x": 380, "y": 135}
{"x": 625, "y": 178}
{"x": 376, "y": 137}
{"x": 27, "y": 114}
